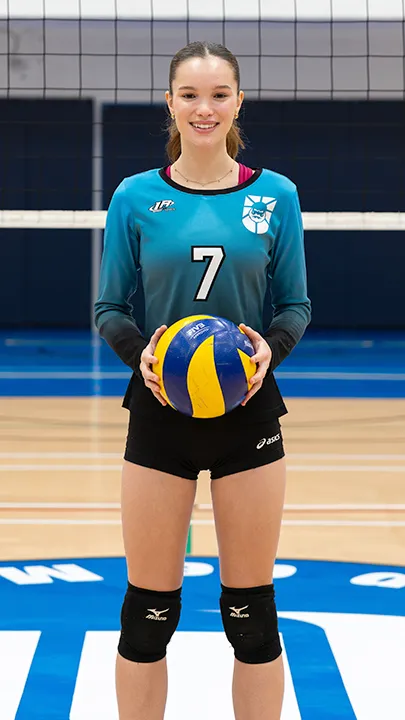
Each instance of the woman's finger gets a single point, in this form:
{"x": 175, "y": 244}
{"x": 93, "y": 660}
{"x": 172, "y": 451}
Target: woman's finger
{"x": 151, "y": 377}
{"x": 155, "y": 387}
{"x": 250, "y": 332}
{"x": 159, "y": 331}
{"x": 159, "y": 397}
{"x": 156, "y": 336}
{"x": 247, "y": 398}
{"x": 144, "y": 367}
{"x": 149, "y": 359}
{"x": 256, "y": 358}
{"x": 256, "y": 378}
{"x": 252, "y": 392}
{"x": 261, "y": 358}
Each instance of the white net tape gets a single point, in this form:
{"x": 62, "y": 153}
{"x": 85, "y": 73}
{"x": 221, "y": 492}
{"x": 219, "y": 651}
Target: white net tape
{"x": 90, "y": 219}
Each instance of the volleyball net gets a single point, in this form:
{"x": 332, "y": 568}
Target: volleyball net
{"x": 81, "y": 106}
{"x": 119, "y": 50}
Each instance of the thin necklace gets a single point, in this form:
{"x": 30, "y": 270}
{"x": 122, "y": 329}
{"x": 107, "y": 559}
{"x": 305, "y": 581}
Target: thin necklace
{"x": 200, "y": 183}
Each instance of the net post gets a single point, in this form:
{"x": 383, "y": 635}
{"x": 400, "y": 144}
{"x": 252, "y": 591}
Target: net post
{"x": 97, "y": 204}
{"x": 96, "y": 237}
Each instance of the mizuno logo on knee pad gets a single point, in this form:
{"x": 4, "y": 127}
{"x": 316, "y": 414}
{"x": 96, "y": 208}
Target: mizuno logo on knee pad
{"x": 254, "y": 634}
{"x": 157, "y": 614}
{"x": 237, "y": 612}
{"x": 148, "y": 620}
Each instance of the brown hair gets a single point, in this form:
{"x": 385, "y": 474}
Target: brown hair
{"x": 234, "y": 141}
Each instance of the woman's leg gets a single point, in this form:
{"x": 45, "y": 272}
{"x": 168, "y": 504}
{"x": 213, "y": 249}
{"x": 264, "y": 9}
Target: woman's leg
{"x": 248, "y": 509}
{"x": 156, "y": 512}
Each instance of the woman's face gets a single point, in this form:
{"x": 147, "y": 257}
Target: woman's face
{"x": 205, "y": 100}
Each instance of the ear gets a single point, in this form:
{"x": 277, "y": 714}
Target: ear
{"x": 169, "y": 100}
{"x": 240, "y": 100}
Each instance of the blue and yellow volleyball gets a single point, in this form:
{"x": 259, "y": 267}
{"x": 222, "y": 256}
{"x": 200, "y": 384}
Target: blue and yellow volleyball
{"x": 204, "y": 365}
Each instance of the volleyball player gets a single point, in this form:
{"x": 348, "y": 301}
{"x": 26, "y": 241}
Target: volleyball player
{"x": 207, "y": 235}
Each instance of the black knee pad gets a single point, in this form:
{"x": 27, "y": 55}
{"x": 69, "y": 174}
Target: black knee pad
{"x": 148, "y": 621}
{"x": 250, "y": 622}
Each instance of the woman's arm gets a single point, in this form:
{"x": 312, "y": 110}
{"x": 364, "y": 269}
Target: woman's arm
{"x": 118, "y": 282}
{"x": 291, "y": 306}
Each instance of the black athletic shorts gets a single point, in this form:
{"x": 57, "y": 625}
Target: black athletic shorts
{"x": 164, "y": 439}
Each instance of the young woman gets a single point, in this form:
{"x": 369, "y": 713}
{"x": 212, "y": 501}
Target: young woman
{"x": 204, "y": 216}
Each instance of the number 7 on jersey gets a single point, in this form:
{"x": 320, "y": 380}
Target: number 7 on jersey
{"x": 217, "y": 257}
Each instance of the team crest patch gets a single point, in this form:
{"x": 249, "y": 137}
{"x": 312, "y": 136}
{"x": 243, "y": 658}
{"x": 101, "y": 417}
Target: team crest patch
{"x": 257, "y": 212}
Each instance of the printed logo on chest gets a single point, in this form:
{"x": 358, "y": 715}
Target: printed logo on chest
{"x": 161, "y": 205}
{"x": 257, "y": 212}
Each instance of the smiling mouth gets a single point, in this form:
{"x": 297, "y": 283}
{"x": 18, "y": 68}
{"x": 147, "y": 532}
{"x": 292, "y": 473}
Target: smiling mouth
{"x": 204, "y": 127}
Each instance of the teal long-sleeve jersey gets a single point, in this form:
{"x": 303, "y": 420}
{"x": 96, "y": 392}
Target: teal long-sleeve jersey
{"x": 203, "y": 251}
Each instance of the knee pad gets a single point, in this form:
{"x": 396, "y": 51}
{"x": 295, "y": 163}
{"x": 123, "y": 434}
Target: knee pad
{"x": 250, "y": 622}
{"x": 148, "y": 621}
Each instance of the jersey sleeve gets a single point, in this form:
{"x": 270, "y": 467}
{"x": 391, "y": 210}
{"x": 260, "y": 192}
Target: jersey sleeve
{"x": 118, "y": 281}
{"x": 291, "y": 306}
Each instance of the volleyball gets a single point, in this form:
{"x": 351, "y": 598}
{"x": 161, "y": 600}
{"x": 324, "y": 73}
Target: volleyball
{"x": 204, "y": 365}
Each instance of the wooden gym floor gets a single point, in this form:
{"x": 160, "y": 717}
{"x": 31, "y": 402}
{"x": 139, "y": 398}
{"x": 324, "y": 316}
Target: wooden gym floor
{"x": 60, "y": 461}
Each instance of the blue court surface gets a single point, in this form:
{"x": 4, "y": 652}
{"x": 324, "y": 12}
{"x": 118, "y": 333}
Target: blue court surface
{"x": 59, "y": 631}
{"x": 324, "y": 364}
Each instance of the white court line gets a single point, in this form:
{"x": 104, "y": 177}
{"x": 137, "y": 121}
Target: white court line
{"x": 117, "y": 456}
{"x": 291, "y": 468}
{"x": 94, "y": 375}
{"x": 315, "y": 507}
{"x": 284, "y": 375}
{"x": 60, "y": 506}
{"x": 17, "y": 650}
{"x": 345, "y": 523}
{"x": 55, "y": 521}
{"x": 68, "y": 455}
{"x": 346, "y": 468}
{"x": 294, "y": 523}
{"x": 64, "y": 468}
{"x": 341, "y": 456}
{"x": 326, "y": 523}
{"x": 290, "y": 375}
{"x": 338, "y": 507}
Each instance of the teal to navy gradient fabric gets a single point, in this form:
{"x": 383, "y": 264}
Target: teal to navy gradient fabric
{"x": 238, "y": 240}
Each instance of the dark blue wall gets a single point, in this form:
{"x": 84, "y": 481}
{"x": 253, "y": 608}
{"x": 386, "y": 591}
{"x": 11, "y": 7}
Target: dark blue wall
{"x": 344, "y": 156}
{"x": 45, "y": 163}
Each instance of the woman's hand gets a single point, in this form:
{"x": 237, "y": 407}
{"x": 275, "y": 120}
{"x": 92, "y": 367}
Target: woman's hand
{"x": 147, "y": 359}
{"x": 262, "y": 358}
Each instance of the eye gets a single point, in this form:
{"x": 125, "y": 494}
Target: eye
{"x": 188, "y": 96}
{"x": 221, "y": 95}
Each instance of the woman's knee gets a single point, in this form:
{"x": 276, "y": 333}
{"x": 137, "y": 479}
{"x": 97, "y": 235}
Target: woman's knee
{"x": 148, "y": 622}
{"x": 250, "y": 622}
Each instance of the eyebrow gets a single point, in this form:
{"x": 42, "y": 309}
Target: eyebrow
{"x": 218, "y": 87}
